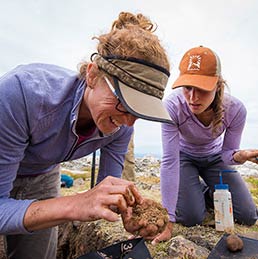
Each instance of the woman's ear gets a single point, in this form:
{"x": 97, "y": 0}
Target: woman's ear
{"x": 91, "y": 74}
{"x": 218, "y": 88}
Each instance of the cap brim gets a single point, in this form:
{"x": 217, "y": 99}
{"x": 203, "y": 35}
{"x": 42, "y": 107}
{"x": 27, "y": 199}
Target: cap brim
{"x": 141, "y": 105}
{"x": 207, "y": 83}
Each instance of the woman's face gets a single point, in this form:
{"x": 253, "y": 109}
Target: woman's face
{"x": 198, "y": 100}
{"x": 102, "y": 104}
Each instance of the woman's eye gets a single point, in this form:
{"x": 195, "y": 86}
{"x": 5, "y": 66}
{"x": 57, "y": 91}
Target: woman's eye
{"x": 188, "y": 88}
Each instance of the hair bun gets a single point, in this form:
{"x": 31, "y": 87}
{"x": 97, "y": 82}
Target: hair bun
{"x": 126, "y": 19}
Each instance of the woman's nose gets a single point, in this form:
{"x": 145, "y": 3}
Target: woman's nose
{"x": 193, "y": 94}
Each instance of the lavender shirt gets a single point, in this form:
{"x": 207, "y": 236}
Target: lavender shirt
{"x": 39, "y": 106}
{"x": 190, "y": 136}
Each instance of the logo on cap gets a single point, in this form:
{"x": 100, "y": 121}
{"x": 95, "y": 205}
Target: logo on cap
{"x": 194, "y": 62}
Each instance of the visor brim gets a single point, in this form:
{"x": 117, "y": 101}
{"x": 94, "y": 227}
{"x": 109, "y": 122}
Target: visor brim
{"x": 141, "y": 105}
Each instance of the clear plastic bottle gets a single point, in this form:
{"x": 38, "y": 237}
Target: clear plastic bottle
{"x": 223, "y": 208}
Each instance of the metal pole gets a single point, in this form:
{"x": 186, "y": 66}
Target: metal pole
{"x": 92, "y": 180}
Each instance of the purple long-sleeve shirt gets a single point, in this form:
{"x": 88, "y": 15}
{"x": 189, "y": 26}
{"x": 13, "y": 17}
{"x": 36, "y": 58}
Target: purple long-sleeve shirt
{"x": 190, "y": 136}
{"x": 39, "y": 106}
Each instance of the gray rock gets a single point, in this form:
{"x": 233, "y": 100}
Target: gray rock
{"x": 183, "y": 248}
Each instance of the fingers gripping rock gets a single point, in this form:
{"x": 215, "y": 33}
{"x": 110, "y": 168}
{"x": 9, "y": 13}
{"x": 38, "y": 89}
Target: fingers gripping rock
{"x": 151, "y": 216}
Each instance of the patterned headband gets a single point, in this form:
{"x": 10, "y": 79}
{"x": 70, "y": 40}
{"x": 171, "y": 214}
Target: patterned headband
{"x": 137, "y": 74}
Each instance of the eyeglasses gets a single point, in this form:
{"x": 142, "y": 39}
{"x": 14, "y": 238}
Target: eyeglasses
{"x": 119, "y": 105}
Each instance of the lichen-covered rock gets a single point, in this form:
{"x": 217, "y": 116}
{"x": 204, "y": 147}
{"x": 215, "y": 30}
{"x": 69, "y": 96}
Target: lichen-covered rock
{"x": 183, "y": 248}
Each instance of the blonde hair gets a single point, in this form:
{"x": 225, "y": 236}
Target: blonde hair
{"x": 131, "y": 36}
{"x": 217, "y": 106}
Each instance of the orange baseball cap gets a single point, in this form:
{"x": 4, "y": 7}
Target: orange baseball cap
{"x": 200, "y": 67}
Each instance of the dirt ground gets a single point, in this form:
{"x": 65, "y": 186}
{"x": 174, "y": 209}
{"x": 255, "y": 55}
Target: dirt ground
{"x": 76, "y": 238}
{"x": 2, "y": 254}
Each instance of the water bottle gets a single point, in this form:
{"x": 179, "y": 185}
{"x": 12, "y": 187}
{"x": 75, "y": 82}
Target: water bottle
{"x": 223, "y": 208}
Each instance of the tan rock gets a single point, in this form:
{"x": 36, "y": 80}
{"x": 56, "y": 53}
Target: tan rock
{"x": 183, "y": 248}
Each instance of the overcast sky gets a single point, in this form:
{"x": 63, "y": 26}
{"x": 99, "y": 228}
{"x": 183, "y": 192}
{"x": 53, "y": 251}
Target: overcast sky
{"x": 60, "y": 32}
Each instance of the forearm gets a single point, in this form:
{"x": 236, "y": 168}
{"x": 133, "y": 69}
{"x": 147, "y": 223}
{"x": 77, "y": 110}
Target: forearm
{"x": 169, "y": 171}
{"x": 48, "y": 213}
{"x": 89, "y": 205}
{"x": 169, "y": 181}
{"x": 238, "y": 157}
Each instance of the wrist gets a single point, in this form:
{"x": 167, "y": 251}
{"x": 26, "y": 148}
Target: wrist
{"x": 170, "y": 225}
{"x": 238, "y": 157}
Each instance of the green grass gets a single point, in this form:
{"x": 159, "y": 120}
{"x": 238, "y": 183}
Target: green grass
{"x": 253, "y": 182}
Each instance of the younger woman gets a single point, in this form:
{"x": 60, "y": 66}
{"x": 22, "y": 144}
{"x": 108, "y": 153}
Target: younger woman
{"x": 204, "y": 140}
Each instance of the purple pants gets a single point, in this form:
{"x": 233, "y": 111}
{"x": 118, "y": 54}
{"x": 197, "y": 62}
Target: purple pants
{"x": 193, "y": 201}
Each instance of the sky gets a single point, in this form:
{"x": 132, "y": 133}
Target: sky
{"x": 60, "y": 32}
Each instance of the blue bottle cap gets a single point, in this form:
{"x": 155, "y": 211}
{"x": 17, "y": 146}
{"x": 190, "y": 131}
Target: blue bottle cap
{"x": 229, "y": 171}
{"x": 221, "y": 186}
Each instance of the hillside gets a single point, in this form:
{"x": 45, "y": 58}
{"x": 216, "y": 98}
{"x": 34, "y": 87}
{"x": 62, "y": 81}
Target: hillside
{"x": 77, "y": 238}
{"x": 201, "y": 238}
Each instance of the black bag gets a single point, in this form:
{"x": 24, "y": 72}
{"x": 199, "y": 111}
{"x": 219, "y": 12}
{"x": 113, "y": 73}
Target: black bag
{"x": 134, "y": 249}
{"x": 250, "y": 249}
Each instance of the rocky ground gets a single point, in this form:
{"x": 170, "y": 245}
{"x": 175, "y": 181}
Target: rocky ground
{"x": 77, "y": 238}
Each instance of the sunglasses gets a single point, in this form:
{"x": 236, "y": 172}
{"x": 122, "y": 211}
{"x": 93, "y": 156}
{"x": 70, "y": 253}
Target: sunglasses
{"x": 119, "y": 106}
